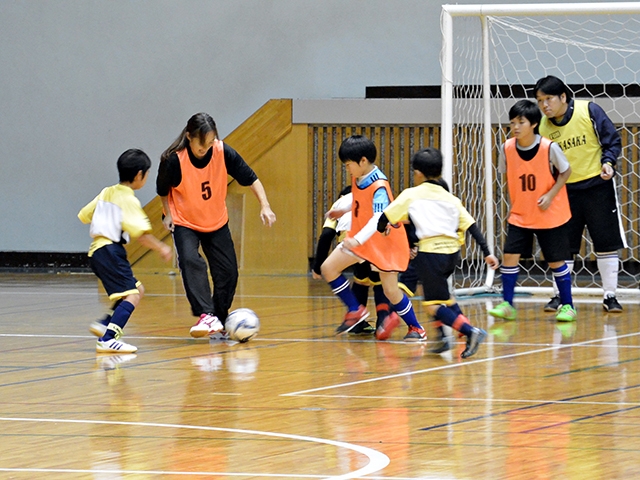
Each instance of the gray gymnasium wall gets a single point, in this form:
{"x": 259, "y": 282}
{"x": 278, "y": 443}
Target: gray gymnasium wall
{"x": 83, "y": 80}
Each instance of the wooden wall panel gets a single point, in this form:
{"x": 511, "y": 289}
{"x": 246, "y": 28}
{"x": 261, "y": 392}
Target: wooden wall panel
{"x": 282, "y": 248}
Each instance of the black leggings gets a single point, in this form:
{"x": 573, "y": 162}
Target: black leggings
{"x": 221, "y": 256}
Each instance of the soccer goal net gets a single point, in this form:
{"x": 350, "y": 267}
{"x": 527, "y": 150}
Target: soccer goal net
{"x": 492, "y": 56}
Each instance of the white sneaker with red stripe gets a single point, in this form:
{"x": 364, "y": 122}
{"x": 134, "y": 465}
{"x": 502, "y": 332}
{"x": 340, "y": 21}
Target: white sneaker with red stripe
{"x": 207, "y": 325}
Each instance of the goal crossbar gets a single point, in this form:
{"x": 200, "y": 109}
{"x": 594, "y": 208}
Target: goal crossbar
{"x": 532, "y": 9}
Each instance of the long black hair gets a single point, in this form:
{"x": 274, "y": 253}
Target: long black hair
{"x": 198, "y": 126}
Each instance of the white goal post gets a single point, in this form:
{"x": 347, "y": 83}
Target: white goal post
{"x": 492, "y": 55}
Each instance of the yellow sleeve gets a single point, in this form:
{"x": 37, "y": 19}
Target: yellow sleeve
{"x": 398, "y": 210}
{"x": 86, "y": 214}
{"x": 466, "y": 220}
{"x": 329, "y": 223}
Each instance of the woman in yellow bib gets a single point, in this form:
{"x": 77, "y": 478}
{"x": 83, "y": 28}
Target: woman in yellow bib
{"x": 592, "y": 144}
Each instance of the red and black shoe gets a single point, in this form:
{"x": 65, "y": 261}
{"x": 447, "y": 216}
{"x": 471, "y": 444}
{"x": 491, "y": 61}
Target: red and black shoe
{"x": 351, "y": 319}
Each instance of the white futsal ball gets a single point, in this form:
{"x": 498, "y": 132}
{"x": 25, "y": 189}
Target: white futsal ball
{"x": 242, "y": 325}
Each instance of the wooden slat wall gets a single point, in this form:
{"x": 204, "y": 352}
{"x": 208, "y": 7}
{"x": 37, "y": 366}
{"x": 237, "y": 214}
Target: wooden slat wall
{"x": 395, "y": 146}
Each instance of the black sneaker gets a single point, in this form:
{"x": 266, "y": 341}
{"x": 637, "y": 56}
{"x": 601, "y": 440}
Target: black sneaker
{"x": 473, "y": 342}
{"x": 553, "y": 305}
{"x": 611, "y": 305}
{"x": 363, "y": 328}
{"x": 442, "y": 345}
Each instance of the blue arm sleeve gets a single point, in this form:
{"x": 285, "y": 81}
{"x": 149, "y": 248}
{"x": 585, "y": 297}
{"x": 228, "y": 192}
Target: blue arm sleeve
{"x": 380, "y": 200}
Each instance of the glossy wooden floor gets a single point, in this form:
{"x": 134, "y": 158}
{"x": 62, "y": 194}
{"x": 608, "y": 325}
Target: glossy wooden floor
{"x": 536, "y": 402}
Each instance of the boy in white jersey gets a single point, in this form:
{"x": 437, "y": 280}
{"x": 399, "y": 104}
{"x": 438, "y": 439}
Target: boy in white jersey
{"x": 441, "y": 221}
{"x": 116, "y": 217}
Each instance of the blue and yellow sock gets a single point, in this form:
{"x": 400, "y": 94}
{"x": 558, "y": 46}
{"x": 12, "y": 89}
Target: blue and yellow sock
{"x": 119, "y": 318}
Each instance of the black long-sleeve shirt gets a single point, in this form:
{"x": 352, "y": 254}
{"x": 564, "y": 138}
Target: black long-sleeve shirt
{"x": 170, "y": 174}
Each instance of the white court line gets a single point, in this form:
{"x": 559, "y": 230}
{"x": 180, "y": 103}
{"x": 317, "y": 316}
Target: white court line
{"x": 465, "y": 300}
{"x": 331, "y": 339}
{"x": 454, "y": 365}
{"x": 467, "y": 399}
{"x": 151, "y": 472}
{"x": 377, "y": 460}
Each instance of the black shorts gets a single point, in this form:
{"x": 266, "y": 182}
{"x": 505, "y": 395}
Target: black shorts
{"x": 363, "y": 274}
{"x": 554, "y": 242}
{"x": 597, "y": 209}
{"x": 111, "y": 266}
{"x": 434, "y": 270}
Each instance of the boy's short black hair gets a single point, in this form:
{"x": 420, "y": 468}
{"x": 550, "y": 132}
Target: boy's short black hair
{"x": 551, "y": 85}
{"x": 131, "y": 162}
{"x": 528, "y": 110}
{"x": 428, "y": 161}
{"x": 355, "y": 147}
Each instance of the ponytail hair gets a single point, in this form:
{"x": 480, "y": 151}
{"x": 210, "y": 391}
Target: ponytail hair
{"x": 199, "y": 125}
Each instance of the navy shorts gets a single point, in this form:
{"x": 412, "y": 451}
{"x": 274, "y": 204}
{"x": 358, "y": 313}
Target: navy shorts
{"x": 434, "y": 270}
{"x": 597, "y": 209}
{"x": 363, "y": 274}
{"x": 554, "y": 242}
{"x": 111, "y": 266}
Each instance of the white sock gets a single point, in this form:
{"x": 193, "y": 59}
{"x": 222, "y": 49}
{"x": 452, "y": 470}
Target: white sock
{"x": 608, "y": 266}
{"x": 556, "y": 292}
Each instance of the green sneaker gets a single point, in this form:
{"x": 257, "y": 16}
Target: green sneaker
{"x": 566, "y": 314}
{"x": 504, "y": 310}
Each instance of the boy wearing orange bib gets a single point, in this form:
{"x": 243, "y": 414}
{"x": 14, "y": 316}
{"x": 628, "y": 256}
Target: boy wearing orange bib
{"x": 537, "y": 171}
{"x": 388, "y": 254}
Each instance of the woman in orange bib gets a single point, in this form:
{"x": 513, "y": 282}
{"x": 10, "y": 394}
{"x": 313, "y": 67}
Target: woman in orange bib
{"x": 192, "y": 184}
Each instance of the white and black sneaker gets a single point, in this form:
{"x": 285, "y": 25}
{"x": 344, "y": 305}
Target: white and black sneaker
{"x": 474, "y": 340}
{"x": 610, "y": 304}
{"x": 553, "y": 305}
